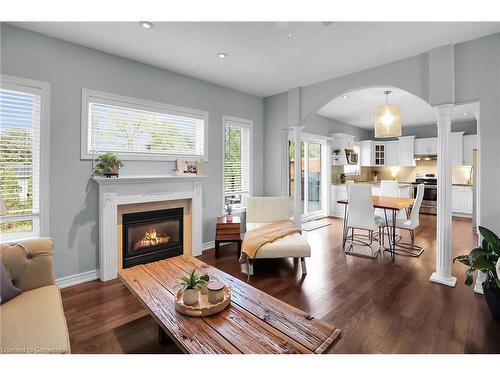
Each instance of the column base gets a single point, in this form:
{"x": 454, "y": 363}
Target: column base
{"x": 449, "y": 281}
{"x": 478, "y": 288}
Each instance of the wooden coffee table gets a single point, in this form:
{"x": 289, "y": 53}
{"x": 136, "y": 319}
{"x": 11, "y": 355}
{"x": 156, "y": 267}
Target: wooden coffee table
{"x": 255, "y": 322}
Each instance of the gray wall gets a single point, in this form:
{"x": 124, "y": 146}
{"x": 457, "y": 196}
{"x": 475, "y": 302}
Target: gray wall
{"x": 477, "y": 72}
{"x": 69, "y": 68}
{"x": 325, "y": 126}
{"x": 476, "y": 67}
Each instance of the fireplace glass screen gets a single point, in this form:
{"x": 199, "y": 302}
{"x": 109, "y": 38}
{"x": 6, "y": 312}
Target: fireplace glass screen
{"x": 151, "y": 236}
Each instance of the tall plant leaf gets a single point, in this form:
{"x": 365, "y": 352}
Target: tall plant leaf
{"x": 491, "y": 238}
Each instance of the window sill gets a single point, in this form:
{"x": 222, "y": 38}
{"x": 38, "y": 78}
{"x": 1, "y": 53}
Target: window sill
{"x": 18, "y": 237}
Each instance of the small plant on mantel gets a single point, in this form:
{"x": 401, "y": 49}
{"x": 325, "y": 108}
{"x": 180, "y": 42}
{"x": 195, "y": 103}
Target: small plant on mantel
{"x": 190, "y": 287}
{"x": 486, "y": 259}
{"x": 107, "y": 165}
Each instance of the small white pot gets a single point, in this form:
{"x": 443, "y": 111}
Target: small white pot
{"x": 190, "y": 296}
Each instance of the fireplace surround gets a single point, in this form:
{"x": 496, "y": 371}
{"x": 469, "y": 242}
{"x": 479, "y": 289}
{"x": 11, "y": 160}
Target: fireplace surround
{"x": 149, "y": 190}
{"x": 152, "y": 235}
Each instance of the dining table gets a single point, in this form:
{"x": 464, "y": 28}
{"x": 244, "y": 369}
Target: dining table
{"x": 391, "y": 206}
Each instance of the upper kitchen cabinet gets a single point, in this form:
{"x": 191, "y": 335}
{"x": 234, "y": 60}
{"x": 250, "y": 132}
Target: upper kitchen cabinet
{"x": 426, "y": 146}
{"x": 456, "y": 148}
{"x": 366, "y": 151}
{"x": 406, "y": 147}
{"x": 372, "y": 153}
{"x": 392, "y": 154}
{"x": 379, "y": 154}
{"x": 469, "y": 145}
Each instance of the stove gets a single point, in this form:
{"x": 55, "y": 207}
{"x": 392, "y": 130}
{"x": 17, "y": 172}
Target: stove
{"x": 429, "y": 203}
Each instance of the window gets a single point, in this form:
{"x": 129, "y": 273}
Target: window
{"x": 23, "y": 174}
{"x": 237, "y": 145}
{"x": 140, "y": 130}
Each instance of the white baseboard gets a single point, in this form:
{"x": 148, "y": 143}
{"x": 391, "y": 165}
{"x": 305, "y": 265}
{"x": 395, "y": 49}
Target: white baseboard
{"x": 79, "y": 278}
{"x": 207, "y": 245}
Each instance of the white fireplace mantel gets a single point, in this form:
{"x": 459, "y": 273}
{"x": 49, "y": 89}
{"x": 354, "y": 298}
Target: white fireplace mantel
{"x": 116, "y": 191}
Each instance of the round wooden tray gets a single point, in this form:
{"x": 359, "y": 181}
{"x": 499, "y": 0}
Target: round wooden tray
{"x": 203, "y": 307}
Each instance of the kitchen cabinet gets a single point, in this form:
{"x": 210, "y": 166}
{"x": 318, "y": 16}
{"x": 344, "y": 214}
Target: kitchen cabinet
{"x": 406, "y": 147}
{"x": 469, "y": 145}
{"x": 379, "y": 154}
{"x": 372, "y": 153}
{"x": 391, "y": 153}
{"x": 366, "y": 151}
{"x": 426, "y": 146}
{"x": 337, "y": 192}
{"x": 461, "y": 200}
{"x": 456, "y": 148}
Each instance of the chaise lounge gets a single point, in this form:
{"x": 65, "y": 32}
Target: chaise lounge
{"x": 265, "y": 210}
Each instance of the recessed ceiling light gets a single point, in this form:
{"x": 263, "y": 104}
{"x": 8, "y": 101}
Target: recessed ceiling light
{"x": 466, "y": 113}
{"x": 345, "y": 96}
{"x": 147, "y": 25}
{"x": 222, "y": 55}
{"x": 372, "y": 109}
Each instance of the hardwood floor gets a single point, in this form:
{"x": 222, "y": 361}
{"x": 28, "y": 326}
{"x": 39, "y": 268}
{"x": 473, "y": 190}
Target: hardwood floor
{"x": 381, "y": 307}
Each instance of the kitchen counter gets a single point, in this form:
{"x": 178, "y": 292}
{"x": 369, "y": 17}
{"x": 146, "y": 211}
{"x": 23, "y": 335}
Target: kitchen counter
{"x": 462, "y": 185}
{"x": 373, "y": 183}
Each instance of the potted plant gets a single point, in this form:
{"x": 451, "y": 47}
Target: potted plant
{"x": 190, "y": 287}
{"x": 228, "y": 208}
{"x": 107, "y": 165}
{"x": 486, "y": 259}
{"x": 375, "y": 175}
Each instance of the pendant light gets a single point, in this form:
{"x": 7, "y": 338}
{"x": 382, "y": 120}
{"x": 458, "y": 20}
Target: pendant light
{"x": 387, "y": 119}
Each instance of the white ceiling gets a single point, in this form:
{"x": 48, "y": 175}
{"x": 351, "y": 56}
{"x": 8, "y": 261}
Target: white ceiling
{"x": 262, "y": 59}
{"x": 357, "y": 108}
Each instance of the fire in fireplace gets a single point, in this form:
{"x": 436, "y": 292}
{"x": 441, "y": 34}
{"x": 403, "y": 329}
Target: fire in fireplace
{"x": 152, "y": 235}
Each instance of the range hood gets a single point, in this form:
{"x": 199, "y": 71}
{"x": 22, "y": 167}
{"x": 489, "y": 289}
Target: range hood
{"x": 426, "y": 157}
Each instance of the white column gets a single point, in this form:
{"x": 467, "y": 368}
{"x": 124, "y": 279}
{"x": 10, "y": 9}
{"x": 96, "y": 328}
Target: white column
{"x": 442, "y": 274}
{"x": 297, "y": 186}
{"x": 481, "y": 276}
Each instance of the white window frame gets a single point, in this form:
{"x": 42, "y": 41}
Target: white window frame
{"x": 40, "y": 226}
{"x": 138, "y": 104}
{"x": 244, "y": 124}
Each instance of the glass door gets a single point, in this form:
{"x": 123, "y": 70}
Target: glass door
{"x": 313, "y": 191}
{"x": 311, "y": 162}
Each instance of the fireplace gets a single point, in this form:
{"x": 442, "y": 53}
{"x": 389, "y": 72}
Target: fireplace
{"x": 152, "y": 235}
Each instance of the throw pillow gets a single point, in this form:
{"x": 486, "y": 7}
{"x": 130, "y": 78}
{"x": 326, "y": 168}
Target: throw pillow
{"x": 7, "y": 289}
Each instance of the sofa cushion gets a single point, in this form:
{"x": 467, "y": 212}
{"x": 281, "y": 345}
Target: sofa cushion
{"x": 34, "y": 322}
{"x": 293, "y": 246}
{"x": 7, "y": 290}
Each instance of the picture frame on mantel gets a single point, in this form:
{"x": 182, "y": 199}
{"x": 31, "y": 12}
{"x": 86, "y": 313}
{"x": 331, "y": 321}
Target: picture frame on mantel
{"x": 189, "y": 167}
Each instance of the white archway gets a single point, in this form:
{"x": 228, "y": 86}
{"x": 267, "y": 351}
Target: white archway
{"x": 443, "y": 120}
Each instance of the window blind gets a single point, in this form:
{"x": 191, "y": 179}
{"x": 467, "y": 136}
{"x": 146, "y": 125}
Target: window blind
{"x": 125, "y": 128}
{"x": 19, "y": 161}
{"x": 236, "y": 158}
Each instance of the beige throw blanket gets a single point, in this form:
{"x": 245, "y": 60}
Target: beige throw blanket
{"x": 257, "y": 238}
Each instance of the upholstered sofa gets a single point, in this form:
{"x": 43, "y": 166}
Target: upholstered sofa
{"x": 264, "y": 210}
{"x": 34, "y": 321}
